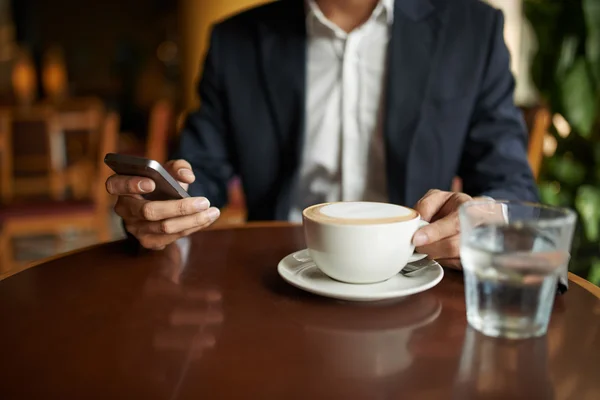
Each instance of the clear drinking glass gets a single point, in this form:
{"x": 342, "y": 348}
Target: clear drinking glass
{"x": 512, "y": 254}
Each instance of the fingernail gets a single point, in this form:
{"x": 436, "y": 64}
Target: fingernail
{"x": 201, "y": 204}
{"x": 420, "y": 239}
{"x": 146, "y": 186}
{"x": 185, "y": 172}
{"x": 213, "y": 213}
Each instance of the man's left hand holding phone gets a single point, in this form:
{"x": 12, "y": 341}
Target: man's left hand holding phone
{"x": 156, "y": 224}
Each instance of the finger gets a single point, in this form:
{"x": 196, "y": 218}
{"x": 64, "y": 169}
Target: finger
{"x": 127, "y": 185}
{"x": 436, "y": 203}
{"x": 160, "y": 241}
{"x": 160, "y": 210}
{"x": 180, "y": 170}
{"x": 452, "y": 204}
{"x": 188, "y": 232}
{"x": 442, "y": 228}
{"x": 155, "y": 242}
{"x": 179, "y": 225}
{"x": 196, "y": 229}
{"x": 487, "y": 213}
{"x": 431, "y": 203}
{"x": 453, "y": 263}
{"x": 445, "y": 248}
{"x": 127, "y": 207}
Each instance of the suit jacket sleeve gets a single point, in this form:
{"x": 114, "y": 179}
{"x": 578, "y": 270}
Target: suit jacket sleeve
{"x": 205, "y": 139}
{"x": 494, "y": 161}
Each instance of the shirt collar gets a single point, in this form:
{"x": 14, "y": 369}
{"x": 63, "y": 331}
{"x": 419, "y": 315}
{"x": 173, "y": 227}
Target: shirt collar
{"x": 314, "y": 12}
{"x": 388, "y": 7}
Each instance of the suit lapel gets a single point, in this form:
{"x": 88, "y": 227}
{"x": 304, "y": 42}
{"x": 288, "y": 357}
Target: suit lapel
{"x": 410, "y": 59}
{"x": 283, "y": 55}
{"x": 282, "y": 43}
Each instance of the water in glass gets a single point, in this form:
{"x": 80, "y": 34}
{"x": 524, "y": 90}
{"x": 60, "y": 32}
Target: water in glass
{"x": 510, "y": 279}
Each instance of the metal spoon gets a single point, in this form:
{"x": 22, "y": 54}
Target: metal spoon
{"x": 412, "y": 268}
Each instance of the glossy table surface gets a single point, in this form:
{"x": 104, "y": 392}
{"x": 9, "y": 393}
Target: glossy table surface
{"x": 209, "y": 318}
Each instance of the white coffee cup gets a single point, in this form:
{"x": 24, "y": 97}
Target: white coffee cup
{"x": 360, "y": 242}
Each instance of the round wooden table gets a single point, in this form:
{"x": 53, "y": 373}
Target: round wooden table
{"x": 210, "y": 318}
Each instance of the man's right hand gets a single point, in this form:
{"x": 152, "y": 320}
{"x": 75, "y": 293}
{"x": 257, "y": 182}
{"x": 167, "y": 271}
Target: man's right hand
{"x": 158, "y": 223}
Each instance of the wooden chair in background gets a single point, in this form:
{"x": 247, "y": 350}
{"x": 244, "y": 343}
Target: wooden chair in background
{"x": 160, "y": 129}
{"x": 37, "y": 154}
{"x": 35, "y": 218}
{"x": 537, "y": 120}
{"x": 80, "y": 121}
{"x": 234, "y": 213}
{"x": 5, "y": 157}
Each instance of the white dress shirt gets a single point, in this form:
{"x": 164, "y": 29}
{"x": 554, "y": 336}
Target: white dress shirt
{"x": 343, "y": 158}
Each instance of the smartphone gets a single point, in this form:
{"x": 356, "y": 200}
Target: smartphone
{"x": 167, "y": 188}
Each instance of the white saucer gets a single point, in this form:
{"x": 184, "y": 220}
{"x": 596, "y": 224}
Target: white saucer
{"x": 299, "y": 270}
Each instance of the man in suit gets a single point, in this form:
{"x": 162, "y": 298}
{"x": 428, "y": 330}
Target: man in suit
{"x": 327, "y": 100}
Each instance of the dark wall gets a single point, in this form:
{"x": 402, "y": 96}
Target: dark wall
{"x": 97, "y": 36}
{"x": 107, "y": 43}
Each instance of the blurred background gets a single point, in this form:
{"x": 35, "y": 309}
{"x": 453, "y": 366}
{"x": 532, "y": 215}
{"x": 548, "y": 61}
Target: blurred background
{"x": 79, "y": 79}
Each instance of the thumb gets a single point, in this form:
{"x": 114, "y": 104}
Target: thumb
{"x": 429, "y": 205}
{"x": 182, "y": 171}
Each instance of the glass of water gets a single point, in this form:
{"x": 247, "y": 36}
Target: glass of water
{"x": 512, "y": 255}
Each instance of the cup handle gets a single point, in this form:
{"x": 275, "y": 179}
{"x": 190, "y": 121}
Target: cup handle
{"x": 418, "y": 256}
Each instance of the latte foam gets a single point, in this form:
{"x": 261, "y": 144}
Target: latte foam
{"x": 359, "y": 213}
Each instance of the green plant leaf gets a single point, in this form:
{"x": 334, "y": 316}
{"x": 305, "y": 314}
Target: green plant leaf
{"x": 551, "y": 194}
{"x": 544, "y": 17}
{"x": 597, "y": 161}
{"x": 591, "y": 12}
{"x": 566, "y": 72}
{"x": 578, "y": 99}
{"x": 594, "y": 274}
{"x": 566, "y": 57}
{"x": 566, "y": 169}
{"x": 586, "y": 202}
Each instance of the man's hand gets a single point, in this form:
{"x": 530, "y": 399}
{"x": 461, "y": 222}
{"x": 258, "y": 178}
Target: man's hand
{"x": 158, "y": 223}
{"x": 440, "y": 240}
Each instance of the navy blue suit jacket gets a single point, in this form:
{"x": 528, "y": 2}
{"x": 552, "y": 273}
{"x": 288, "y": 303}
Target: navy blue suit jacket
{"x": 449, "y": 108}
